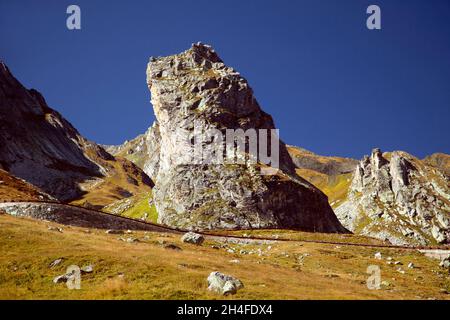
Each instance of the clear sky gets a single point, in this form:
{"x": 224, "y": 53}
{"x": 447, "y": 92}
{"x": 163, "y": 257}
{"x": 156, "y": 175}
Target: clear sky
{"x": 332, "y": 85}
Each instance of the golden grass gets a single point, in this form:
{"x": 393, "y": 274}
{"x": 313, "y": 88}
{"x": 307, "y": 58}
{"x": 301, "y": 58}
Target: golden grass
{"x": 146, "y": 270}
{"x": 125, "y": 180}
{"x": 335, "y": 187}
{"x": 14, "y": 189}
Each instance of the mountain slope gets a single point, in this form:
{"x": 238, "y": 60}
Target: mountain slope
{"x": 397, "y": 197}
{"x": 15, "y": 189}
{"x": 39, "y": 146}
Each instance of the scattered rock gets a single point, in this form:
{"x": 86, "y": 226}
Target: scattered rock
{"x": 411, "y": 265}
{"x": 401, "y": 270}
{"x": 234, "y": 261}
{"x": 51, "y": 228}
{"x": 445, "y": 263}
{"x": 114, "y": 231}
{"x": 55, "y": 263}
{"x": 87, "y": 269}
{"x": 223, "y": 284}
{"x": 172, "y": 246}
{"x": 193, "y": 238}
{"x": 378, "y": 256}
{"x": 61, "y": 278}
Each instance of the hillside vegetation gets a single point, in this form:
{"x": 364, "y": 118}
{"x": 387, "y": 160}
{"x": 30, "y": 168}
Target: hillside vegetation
{"x": 147, "y": 270}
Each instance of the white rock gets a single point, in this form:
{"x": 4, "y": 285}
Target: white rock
{"x": 193, "y": 238}
{"x": 223, "y": 284}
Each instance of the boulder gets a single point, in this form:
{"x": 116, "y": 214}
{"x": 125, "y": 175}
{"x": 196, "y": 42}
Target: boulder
{"x": 193, "y": 238}
{"x": 223, "y": 284}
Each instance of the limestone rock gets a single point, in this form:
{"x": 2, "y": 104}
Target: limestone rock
{"x": 223, "y": 284}
{"x": 193, "y": 238}
{"x": 195, "y": 91}
{"x": 398, "y": 198}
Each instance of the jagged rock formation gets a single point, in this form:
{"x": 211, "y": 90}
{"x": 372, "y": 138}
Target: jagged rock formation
{"x": 38, "y": 145}
{"x": 196, "y": 87}
{"x": 399, "y": 198}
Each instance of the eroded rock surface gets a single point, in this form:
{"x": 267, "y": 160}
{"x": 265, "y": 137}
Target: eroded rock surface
{"x": 41, "y": 147}
{"x": 399, "y": 198}
{"x": 196, "y": 87}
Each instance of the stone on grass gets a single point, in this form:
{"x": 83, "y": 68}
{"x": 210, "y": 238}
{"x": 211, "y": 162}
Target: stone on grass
{"x": 55, "y": 263}
{"x": 87, "y": 269}
{"x": 193, "y": 238}
{"x": 223, "y": 284}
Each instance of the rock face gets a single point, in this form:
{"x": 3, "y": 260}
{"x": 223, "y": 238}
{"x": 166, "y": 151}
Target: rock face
{"x": 398, "y": 198}
{"x": 143, "y": 150}
{"x": 194, "y": 91}
{"x": 38, "y": 145}
{"x": 75, "y": 216}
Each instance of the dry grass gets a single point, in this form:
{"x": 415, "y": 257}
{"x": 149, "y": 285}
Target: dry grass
{"x": 15, "y": 189}
{"x": 146, "y": 270}
{"x": 124, "y": 181}
{"x": 335, "y": 187}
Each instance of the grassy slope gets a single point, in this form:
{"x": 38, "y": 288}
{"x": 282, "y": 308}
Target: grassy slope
{"x": 139, "y": 205}
{"x": 152, "y": 272}
{"x": 335, "y": 187}
{"x": 125, "y": 181}
{"x": 14, "y": 189}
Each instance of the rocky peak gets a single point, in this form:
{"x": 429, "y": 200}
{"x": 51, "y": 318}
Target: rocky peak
{"x": 195, "y": 91}
{"x": 400, "y": 198}
{"x": 377, "y": 160}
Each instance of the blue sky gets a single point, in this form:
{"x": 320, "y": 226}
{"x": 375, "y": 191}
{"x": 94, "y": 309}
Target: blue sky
{"x": 332, "y": 85}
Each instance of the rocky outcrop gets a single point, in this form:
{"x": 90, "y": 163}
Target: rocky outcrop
{"x": 195, "y": 91}
{"x": 38, "y": 145}
{"x": 153, "y": 142}
{"x": 143, "y": 150}
{"x": 74, "y": 216}
{"x": 399, "y": 198}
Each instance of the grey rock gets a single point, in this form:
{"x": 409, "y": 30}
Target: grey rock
{"x": 55, "y": 262}
{"x": 61, "y": 279}
{"x": 223, "y": 284}
{"x": 87, "y": 269}
{"x": 111, "y": 231}
{"x": 394, "y": 200}
{"x": 195, "y": 87}
{"x": 193, "y": 238}
{"x": 172, "y": 246}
